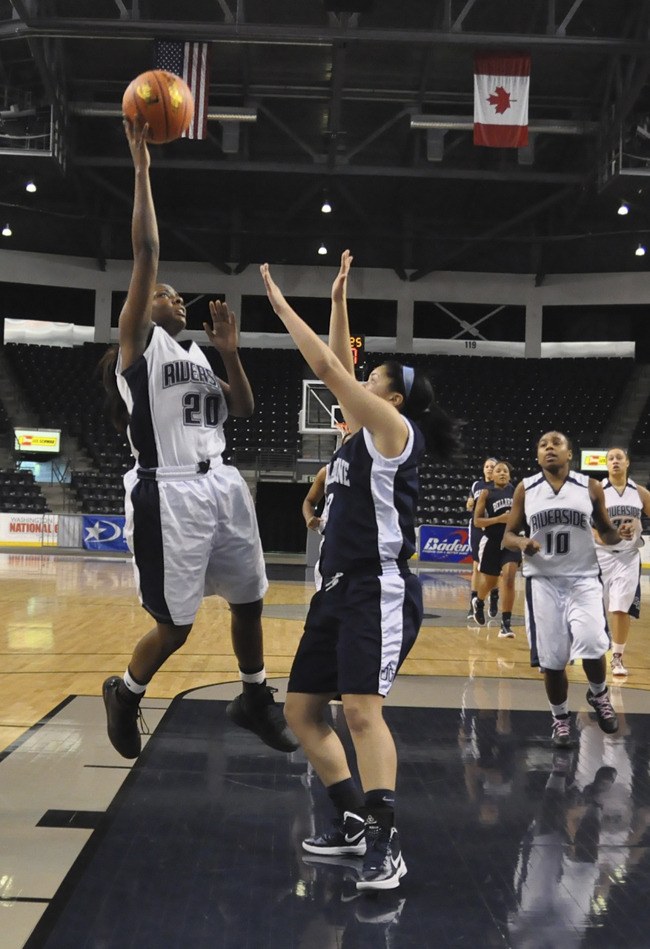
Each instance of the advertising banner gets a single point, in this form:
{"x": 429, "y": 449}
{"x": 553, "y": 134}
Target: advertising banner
{"x": 46, "y": 440}
{"x": 446, "y": 544}
{"x": 104, "y": 533}
{"x": 593, "y": 459}
{"x": 29, "y": 530}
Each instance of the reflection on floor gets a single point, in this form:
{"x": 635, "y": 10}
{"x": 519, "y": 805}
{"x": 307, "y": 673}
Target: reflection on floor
{"x": 507, "y": 842}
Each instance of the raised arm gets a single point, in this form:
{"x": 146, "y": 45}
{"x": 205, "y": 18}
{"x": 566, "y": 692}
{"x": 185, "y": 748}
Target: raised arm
{"x": 388, "y": 428}
{"x": 135, "y": 318}
{"x": 339, "y": 337}
{"x": 222, "y": 333}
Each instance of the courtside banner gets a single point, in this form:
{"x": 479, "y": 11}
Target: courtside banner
{"x": 104, "y": 533}
{"x": 501, "y": 86}
{"x": 29, "y": 530}
{"x": 447, "y": 544}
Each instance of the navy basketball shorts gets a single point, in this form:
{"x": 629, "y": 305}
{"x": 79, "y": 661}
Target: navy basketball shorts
{"x": 358, "y": 632}
{"x": 492, "y": 558}
{"x": 475, "y": 536}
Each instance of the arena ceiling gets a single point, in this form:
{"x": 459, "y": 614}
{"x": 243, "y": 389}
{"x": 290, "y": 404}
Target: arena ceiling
{"x": 369, "y": 102}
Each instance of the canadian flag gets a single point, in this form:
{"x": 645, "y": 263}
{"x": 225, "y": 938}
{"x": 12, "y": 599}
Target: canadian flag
{"x": 501, "y": 83}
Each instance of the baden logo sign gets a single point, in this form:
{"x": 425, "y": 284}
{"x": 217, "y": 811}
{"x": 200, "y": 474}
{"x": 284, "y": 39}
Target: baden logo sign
{"x": 447, "y": 544}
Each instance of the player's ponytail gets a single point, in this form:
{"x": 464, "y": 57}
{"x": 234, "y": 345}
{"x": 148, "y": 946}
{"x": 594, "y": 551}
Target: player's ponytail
{"x": 441, "y": 431}
{"x": 114, "y": 403}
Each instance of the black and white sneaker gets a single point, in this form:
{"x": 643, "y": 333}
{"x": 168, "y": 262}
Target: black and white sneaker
{"x": 122, "y": 715}
{"x": 605, "y": 714}
{"x": 506, "y": 631}
{"x": 257, "y": 711}
{"x": 383, "y": 864}
{"x": 493, "y": 608}
{"x": 347, "y": 836}
{"x": 561, "y": 732}
{"x": 470, "y": 612}
{"x": 478, "y": 608}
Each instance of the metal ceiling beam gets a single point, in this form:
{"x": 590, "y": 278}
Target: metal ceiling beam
{"x": 269, "y": 34}
{"x": 127, "y": 199}
{"x": 496, "y": 231}
{"x": 335, "y": 103}
{"x": 514, "y": 175}
{"x": 466, "y": 124}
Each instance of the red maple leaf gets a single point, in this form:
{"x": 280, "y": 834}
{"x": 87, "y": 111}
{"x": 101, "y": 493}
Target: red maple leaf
{"x": 500, "y": 99}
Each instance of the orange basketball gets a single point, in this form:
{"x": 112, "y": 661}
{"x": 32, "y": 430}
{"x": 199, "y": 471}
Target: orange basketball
{"x": 161, "y": 99}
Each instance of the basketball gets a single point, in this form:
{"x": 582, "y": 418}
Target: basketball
{"x": 161, "y": 99}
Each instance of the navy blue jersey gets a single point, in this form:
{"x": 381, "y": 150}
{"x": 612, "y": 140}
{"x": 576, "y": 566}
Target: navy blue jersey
{"x": 499, "y": 501}
{"x": 370, "y": 504}
{"x": 479, "y": 485}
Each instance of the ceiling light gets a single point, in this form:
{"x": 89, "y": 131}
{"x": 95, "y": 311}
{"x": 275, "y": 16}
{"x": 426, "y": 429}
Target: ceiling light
{"x": 323, "y": 249}
{"x": 31, "y": 187}
{"x": 326, "y": 207}
{"x": 6, "y": 231}
{"x": 623, "y": 208}
{"x": 640, "y": 250}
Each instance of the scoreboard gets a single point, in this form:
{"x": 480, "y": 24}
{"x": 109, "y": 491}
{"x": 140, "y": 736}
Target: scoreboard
{"x": 358, "y": 344}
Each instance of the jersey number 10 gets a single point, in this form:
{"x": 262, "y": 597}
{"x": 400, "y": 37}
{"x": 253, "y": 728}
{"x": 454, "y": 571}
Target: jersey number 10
{"x": 557, "y": 543}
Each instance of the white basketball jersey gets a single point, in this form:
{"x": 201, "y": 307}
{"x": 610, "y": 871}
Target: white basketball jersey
{"x": 176, "y": 404}
{"x": 561, "y": 524}
{"x": 624, "y": 508}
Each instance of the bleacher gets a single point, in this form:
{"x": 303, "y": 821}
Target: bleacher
{"x": 506, "y": 404}
{"x": 63, "y": 388}
{"x": 19, "y": 493}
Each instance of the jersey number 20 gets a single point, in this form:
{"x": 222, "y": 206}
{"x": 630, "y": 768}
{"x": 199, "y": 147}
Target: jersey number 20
{"x": 192, "y": 414}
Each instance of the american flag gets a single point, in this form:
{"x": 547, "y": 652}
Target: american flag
{"x": 190, "y": 61}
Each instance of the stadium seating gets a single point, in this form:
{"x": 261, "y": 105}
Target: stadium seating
{"x": 506, "y": 404}
{"x": 19, "y": 493}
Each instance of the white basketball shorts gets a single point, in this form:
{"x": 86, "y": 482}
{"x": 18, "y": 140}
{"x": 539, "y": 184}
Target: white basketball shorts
{"x": 192, "y": 538}
{"x": 621, "y": 575}
{"x": 565, "y": 619}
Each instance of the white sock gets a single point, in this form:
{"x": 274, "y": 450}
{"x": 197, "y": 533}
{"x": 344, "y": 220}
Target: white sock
{"x": 255, "y": 678}
{"x": 597, "y": 687}
{"x": 559, "y": 710}
{"x": 132, "y": 685}
{"x": 619, "y": 648}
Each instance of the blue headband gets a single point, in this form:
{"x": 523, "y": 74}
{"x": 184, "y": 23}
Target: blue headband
{"x": 408, "y": 374}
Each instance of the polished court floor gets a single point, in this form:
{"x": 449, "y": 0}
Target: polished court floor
{"x": 197, "y": 844}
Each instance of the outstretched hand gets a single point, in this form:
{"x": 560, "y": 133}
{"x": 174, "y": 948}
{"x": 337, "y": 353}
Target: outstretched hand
{"x": 136, "y": 135}
{"x": 273, "y": 292}
{"x": 223, "y": 331}
{"x": 340, "y": 282}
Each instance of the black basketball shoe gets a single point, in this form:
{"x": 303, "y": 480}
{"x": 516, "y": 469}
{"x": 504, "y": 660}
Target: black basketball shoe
{"x": 383, "y": 864}
{"x": 478, "y": 608}
{"x": 122, "y": 714}
{"x": 493, "y": 609}
{"x": 258, "y": 712}
{"x": 605, "y": 714}
{"x": 347, "y": 836}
